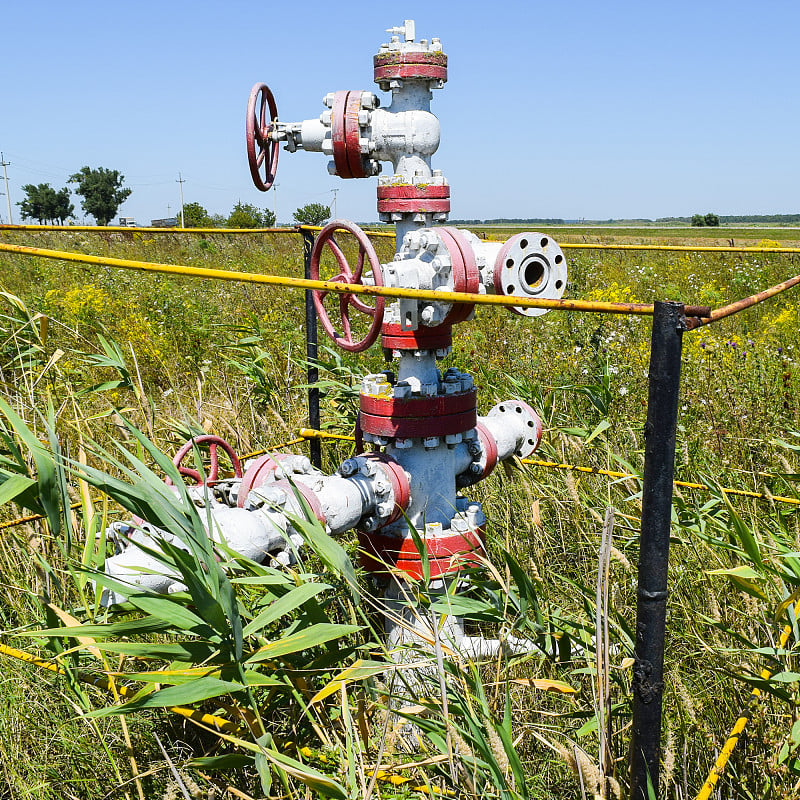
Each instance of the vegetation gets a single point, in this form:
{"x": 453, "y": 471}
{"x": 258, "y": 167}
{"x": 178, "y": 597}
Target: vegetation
{"x": 103, "y": 370}
{"x": 102, "y": 192}
{"x": 312, "y": 214}
{"x": 245, "y": 215}
{"x": 46, "y": 205}
{"x": 709, "y": 220}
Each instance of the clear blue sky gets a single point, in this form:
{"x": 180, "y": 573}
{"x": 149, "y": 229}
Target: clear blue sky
{"x": 579, "y": 109}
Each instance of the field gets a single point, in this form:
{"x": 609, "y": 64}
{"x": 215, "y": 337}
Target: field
{"x": 85, "y": 348}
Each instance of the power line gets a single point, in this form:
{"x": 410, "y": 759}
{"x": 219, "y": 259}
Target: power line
{"x": 5, "y": 164}
{"x": 181, "y": 181}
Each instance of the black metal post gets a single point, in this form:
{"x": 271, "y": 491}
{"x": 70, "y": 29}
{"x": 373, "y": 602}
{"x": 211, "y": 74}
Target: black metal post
{"x": 651, "y": 606}
{"x": 315, "y": 448}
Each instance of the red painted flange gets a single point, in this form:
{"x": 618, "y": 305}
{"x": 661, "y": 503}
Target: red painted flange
{"x": 418, "y": 427}
{"x": 393, "y": 337}
{"x": 401, "y": 488}
{"x": 212, "y": 442}
{"x": 346, "y": 301}
{"x": 419, "y": 406}
{"x": 262, "y": 152}
{"x": 405, "y": 198}
{"x": 447, "y": 554}
{"x": 466, "y": 276}
{"x": 346, "y": 135}
{"x": 259, "y": 473}
{"x": 410, "y": 66}
{"x": 489, "y": 446}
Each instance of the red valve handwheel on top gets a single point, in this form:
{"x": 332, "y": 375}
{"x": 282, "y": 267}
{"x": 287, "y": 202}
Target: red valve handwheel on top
{"x": 262, "y": 151}
{"x": 213, "y": 443}
{"x": 347, "y": 301}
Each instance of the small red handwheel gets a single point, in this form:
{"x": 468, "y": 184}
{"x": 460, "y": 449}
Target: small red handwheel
{"x": 212, "y": 443}
{"x": 346, "y": 340}
{"x": 262, "y": 150}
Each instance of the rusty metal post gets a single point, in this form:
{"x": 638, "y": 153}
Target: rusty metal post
{"x": 651, "y": 608}
{"x": 315, "y": 445}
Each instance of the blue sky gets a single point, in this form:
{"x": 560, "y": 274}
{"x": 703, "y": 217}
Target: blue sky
{"x": 574, "y": 110}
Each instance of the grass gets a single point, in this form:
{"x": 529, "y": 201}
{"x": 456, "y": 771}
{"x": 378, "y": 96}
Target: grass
{"x": 189, "y": 355}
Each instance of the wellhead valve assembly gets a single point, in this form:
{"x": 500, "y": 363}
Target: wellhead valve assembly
{"x": 420, "y": 440}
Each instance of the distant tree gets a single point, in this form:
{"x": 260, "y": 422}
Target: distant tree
{"x": 246, "y": 215}
{"x": 195, "y": 216}
{"x": 102, "y": 192}
{"x": 698, "y": 221}
{"x": 43, "y": 203}
{"x": 711, "y": 220}
{"x": 312, "y": 214}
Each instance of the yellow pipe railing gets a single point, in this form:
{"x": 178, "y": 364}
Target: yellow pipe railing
{"x": 664, "y": 248}
{"x": 640, "y": 309}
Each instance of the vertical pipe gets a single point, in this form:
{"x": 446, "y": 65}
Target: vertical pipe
{"x": 315, "y": 445}
{"x": 651, "y": 602}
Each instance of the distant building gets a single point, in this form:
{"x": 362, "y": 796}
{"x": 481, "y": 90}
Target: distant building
{"x": 127, "y": 222}
{"x": 167, "y": 222}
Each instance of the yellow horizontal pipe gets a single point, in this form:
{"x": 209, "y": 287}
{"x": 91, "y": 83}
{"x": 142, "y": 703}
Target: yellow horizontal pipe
{"x": 309, "y": 433}
{"x": 139, "y": 228}
{"x": 677, "y": 248}
{"x": 100, "y": 682}
{"x": 666, "y": 248}
{"x": 640, "y": 309}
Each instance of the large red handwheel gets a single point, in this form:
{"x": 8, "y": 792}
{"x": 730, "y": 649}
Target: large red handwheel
{"x": 212, "y": 443}
{"x": 348, "y": 300}
{"x": 262, "y": 151}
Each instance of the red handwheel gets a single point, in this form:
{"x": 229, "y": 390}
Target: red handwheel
{"x": 212, "y": 443}
{"x": 262, "y": 150}
{"x": 346, "y": 340}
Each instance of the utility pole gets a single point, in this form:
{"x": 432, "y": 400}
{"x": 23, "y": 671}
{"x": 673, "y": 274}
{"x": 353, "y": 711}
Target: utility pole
{"x": 4, "y": 164}
{"x": 334, "y": 203}
{"x": 275, "y": 201}
{"x": 181, "y": 181}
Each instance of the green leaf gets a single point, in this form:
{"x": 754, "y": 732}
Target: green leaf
{"x": 49, "y": 494}
{"x": 13, "y": 486}
{"x": 291, "y": 601}
{"x": 739, "y": 572}
{"x": 228, "y": 761}
{"x": 603, "y": 425}
{"x": 313, "y": 636}
{"x": 330, "y": 552}
{"x": 464, "y": 606}
{"x": 744, "y": 534}
{"x": 182, "y": 695}
{"x": 786, "y": 677}
{"x": 192, "y": 652}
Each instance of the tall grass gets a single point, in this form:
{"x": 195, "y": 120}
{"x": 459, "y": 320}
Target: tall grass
{"x": 172, "y": 356}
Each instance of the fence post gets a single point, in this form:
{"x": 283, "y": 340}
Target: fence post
{"x": 651, "y": 602}
{"x": 315, "y": 446}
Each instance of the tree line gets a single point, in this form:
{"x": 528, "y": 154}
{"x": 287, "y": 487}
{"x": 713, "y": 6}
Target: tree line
{"x": 102, "y": 194}
{"x": 101, "y": 189}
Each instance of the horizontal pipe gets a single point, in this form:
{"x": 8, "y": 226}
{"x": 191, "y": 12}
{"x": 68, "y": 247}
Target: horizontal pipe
{"x": 147, "y": 229}
{"x": 676, "y": 248}
{"x": 139, "y": 228}
{"x": 306, "y": 433}
{"x": 741, "y": 305}
{"x": 640, "y": 309}
{"x": 664, "y": 248}
{"x": 213, "y": 721}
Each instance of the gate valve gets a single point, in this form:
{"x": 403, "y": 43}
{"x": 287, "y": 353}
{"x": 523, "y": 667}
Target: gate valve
{"x": 212, "y": 443}
{"x": 442, "y": 260}
{"x": 348, "y": 340}
{"x": 263, "y": 147}
{"x": 359, "y": 135}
